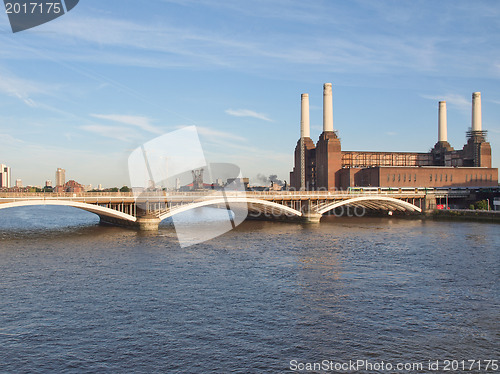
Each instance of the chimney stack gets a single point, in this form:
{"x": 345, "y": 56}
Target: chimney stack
{"x": 443, "y": 126}
{"x": 304, "y": 117}
{"x": 327, "y": 107}
{"x": 476, "y": 112}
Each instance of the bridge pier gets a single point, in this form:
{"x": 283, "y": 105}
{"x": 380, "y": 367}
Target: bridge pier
{"x": 311, "y": 217}
{"x": 429, "y": 204}
{"x": 148, "y": 224}
{"x": 112, "y": 221}
{"x": 143, "y": 224}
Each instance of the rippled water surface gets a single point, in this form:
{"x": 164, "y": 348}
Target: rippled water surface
{"x": 77, "y": 297}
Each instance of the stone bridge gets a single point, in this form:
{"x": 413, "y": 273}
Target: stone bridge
{"x": 150, "y": 208}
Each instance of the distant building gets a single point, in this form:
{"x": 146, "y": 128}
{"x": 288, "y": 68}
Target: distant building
{"x": 239, "y": 183}
{"x": 4, "y": 176}
{"x": 19, "y": 183}
{"x": 60, "y": 177}
{"x": 197, "y": 179}
{"x": 99, "y": 187}
{"x": 48, "y": 183}
{"x": 70, "y": 186}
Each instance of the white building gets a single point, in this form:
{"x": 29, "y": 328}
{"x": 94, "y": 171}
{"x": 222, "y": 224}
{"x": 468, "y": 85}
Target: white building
{"x": 4, "y": 176}
{"x": 60, "y": 177}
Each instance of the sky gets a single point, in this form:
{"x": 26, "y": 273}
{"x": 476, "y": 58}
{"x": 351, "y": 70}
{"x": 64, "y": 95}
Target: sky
{"x": 83, "y": 91}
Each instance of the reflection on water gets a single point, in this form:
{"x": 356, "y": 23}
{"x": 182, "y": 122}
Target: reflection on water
{"x": 78, "y": 297}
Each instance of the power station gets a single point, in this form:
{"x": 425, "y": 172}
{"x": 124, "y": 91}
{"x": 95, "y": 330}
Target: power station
{"x": 324, "y": 165}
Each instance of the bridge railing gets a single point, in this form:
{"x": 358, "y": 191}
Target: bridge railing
{"x": 63, "y": 194}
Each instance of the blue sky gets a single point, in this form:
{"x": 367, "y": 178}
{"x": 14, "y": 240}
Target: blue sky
{"x": 81, "y": 92}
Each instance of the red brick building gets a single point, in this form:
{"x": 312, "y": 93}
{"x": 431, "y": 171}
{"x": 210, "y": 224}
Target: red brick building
{"x": 70, "y": 186}
{"x": 326, "y": 166}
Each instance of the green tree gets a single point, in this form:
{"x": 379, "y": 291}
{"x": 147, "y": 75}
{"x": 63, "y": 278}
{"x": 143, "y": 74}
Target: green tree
{"x": 482, "y": 205}
{"x": 125, "y": 189}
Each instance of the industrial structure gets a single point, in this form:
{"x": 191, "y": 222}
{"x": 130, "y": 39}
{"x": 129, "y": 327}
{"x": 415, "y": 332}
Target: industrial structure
{"x": 324, "y": 166}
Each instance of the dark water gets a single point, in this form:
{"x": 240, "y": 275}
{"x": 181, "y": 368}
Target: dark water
{"x": 76, "y": 297}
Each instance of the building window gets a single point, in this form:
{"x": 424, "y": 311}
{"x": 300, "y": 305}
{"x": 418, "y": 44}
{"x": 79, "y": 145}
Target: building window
{"x": 441, "y": 177}
{"x": 436, "y": 177}
{"x": 476, "y": 177}
{"x": 404, "y": 177}
{"x": 451, "y": 177}
{"x": 431, "y": 178}
{"x": 490, "y": 177}
{"x": 393, "y": 177}
{"x": 466, "y": 177}
{"x": 415, "y": 177}
{"x": 446, "y": 177}
{"x": 399, "y": 177}
{"x": 388, "y": 177}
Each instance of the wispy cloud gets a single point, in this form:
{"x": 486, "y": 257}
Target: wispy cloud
{"x": 456, "y": 100}
{"x": 10, "y": 140}
{"x": 290, "y": 10}
{"x": 20, "y": 88}
{"x": 114, "y": 132}
{"x": 201, "y": 46}
{"x": 345, "y": 46}
{"x": 216, "y": 134}
{"x": 144, "y": 123}
{"x": 248, "y": 113}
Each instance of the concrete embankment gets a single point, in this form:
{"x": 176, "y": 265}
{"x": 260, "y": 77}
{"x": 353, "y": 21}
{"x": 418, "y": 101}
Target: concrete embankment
{"x": 465, "y": 215}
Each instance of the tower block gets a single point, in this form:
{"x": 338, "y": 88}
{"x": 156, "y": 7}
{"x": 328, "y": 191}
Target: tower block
{"x": 328, "y": 161}
{"x": 303, "y": 175}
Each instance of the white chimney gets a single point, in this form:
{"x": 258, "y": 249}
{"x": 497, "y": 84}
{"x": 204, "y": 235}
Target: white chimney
{"x": 443, "y": 127}
{"x": 327, "y": 107}
{"x": 305, "y": 131}
{"x": 476, "y": 112}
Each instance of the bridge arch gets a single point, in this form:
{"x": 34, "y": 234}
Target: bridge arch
{"x": 97, "y": 209}
{"x": 373, "y": 202}
{"x": 282, "y": 209}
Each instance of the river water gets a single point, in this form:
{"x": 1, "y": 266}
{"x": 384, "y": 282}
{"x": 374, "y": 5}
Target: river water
{"x": 267, "y": 297}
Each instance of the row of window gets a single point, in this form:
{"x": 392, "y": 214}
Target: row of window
{"x": 467, "y": 179}
{"x": 441, "y": 177}
{"x": 437, "y": 178}
{"x": 399, "y": 177}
